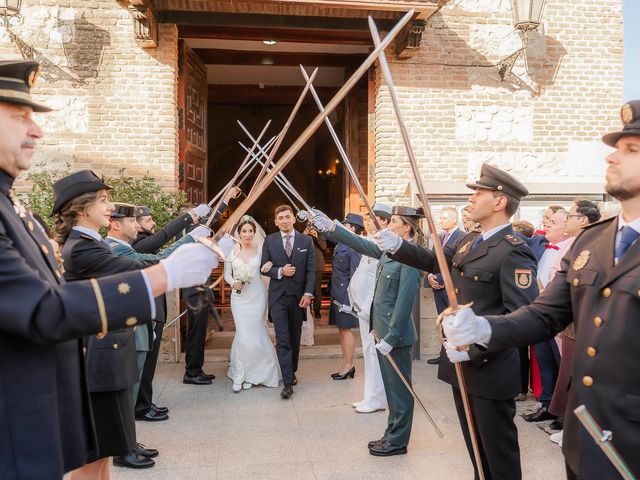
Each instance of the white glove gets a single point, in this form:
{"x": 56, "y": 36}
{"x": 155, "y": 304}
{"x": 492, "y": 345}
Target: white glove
{"x": 227, "y": 243}
{"x": 202, "y": 210}
{"x": 189, "y": 265}
{"x": 200, "y": 231}
{"x": 322, "y": 222}
{"x": 387, "y": 241}
{"x": 384, "y": 348}
{"x": 466, "y": 328}
{"x": 345, "y": 308}
{"x": 454, "y": 355}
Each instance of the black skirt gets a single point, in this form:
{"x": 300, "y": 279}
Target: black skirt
{"x": 115, "y": 423}
{"x": 341, "y": 319}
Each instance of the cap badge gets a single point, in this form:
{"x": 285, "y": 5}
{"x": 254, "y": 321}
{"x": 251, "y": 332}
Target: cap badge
{"x": 626, "y": 113}
{"x": 581, "y": 260}
{"x": 523, "y": 277}
{"x": 33, "y": 76}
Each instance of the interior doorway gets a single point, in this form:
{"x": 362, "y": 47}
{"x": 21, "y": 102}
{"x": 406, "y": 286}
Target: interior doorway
{"x": 254, "y": 81}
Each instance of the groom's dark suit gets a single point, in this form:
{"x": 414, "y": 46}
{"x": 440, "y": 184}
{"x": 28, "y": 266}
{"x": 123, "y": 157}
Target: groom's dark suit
{"x": 285, "y": 294}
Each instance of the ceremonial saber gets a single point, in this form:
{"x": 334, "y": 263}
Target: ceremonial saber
{"x": 285, "y": 129}
{"x": 409, "y": 387}
{"x": 246, "y": 159}
{"x": 442, "y": 261}
{"x": 280, "y": 183}
{"x": 280, "y": 175}
{"x": 603, "y": 439}
{"x": 304, "y": 136}
{"x": 242, "y": 168}
{"x": 343, "y": 154}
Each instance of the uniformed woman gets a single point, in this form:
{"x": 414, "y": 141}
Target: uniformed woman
{"x": 395, "y": 293}
{"x": 345, "y": 263}
{"x": 110, "y": 359}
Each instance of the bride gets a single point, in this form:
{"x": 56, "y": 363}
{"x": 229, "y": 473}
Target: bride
{"x": 253, "y": 358}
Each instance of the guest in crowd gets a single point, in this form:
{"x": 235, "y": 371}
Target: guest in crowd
{"x": 345, "y": 263}
{"x": 319, "y": 246}
{"x": 524, "y": 228}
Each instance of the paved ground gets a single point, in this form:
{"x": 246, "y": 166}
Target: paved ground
{"x": 214, "y": 433}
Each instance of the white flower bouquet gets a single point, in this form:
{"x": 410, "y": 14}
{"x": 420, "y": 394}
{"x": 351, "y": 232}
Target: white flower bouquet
{"x": 243, "y": 274}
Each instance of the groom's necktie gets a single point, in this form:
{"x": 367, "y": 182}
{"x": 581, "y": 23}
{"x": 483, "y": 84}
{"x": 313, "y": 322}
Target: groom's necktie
{"x": 287, "y": 245}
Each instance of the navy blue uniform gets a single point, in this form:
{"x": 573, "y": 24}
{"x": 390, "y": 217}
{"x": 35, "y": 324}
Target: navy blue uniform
{"x": 345, "y": 263}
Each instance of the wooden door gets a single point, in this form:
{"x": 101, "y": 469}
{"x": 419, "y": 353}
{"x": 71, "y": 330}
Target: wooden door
{"x": 192, "y": 125}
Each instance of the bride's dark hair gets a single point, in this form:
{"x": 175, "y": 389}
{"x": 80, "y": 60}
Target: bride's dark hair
{"x": 246, "y": 221}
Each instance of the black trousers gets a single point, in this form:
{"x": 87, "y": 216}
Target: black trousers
{"x": 524, "y": 369}
{"x": 548, "y": 357}
{"x": 496, "y": 433}
{"x": 287, "y": 318}
{"x": 317, "y": 292}
{"x": 198, "y": 317}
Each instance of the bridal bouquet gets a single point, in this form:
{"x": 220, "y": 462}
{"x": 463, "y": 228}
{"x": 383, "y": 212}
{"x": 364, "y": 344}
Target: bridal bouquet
{"x": 243, "y": 274}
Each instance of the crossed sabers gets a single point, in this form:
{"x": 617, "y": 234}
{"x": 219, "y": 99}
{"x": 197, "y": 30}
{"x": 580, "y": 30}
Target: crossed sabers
{"x": 271, "y": 173}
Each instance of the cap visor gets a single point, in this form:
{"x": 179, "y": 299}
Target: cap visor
{"x": 612, "y": 138}
{"x": 35, "y": 106}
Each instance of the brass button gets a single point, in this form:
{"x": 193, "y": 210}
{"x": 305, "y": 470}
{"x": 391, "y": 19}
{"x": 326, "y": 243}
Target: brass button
{"x": 131, "y": 321}
{"x": 597, "y": 321}
{"x": 587, "y": 381}
{"x": 457, "y": 291}
{"x": 115, "y": 346}
{"x": 475, "y": 278}
{"x": 30, "y": 225}
{"x": 591, "y": 351}
{"x": 606, "y": 293}
{"x": 576, "y": 282}
{"x": 462, "y": 274}
{"x": 45, "y": 249}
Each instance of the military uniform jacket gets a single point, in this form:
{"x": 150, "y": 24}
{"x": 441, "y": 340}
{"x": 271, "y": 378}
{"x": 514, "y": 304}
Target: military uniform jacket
{"x": 345, "y": 262}
{"x": 111, "y": 361}
{"x": 498, "y": 276}
{"x": 604, "y": 302}
{"x": 395, "y": 292}
{"x": 45, "y": 420}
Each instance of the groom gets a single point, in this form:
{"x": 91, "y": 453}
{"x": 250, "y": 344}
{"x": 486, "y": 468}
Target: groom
{"x": 288, "y": 259}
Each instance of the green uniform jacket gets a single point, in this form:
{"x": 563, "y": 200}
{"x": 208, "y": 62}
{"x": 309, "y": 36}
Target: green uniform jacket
{"x": 394, "y": 295}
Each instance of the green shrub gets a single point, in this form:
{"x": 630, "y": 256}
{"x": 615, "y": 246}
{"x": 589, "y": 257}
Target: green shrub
{"x": 137, "y": 191}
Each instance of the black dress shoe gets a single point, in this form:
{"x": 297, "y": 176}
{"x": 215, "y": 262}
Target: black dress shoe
{"x": 197, "y": 380}
{"x": 295, "y": 380}
{"x": 159, "y": 409}
{"x": 141, "y": 451}
{"x": 538, "y": 416}
{"x": 434, "y": 361}
{"x": 375, "y": 443}
{"x": 133, "y": 461}
{"x": 351, "y": 373}
{"x": 209, "y": 376}
{"x": 557, "y": 424}
{"x": 286, "y": 392}
{"x": 385, "y": 449}
{"x": 152, "y": 416}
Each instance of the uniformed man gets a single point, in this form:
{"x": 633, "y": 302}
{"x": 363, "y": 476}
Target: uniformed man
{"x": 46, "y": 427}
{"x": 496, "y": 270}
{"x": 396, "y": 288}
{"x": 598, "y": 288}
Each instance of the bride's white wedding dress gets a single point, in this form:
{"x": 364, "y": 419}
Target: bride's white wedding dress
{"x": 253, "y": 357}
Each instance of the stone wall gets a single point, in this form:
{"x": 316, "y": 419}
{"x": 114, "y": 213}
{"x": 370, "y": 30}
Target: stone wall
{"x": 543, "y": 122}
{"x": 115, "y": 102}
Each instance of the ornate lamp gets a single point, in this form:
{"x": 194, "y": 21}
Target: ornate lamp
{"x": 9, "y": 9}
{"x": 527, "y": 15}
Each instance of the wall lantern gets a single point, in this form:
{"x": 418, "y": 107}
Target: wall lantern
{"x": 9, "y": 9}
{"x": 527, "y": 15}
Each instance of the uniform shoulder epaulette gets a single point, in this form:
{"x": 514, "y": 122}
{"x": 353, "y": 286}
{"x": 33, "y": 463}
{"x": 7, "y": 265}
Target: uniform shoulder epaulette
{"x": 514, "y": 239}
{"x": 600, "y": 222}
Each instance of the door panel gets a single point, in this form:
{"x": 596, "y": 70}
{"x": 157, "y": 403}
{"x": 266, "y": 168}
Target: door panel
{"x": 192, "y": 125}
